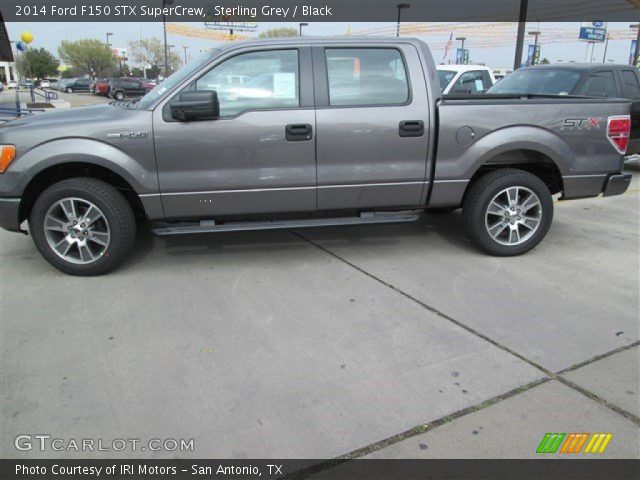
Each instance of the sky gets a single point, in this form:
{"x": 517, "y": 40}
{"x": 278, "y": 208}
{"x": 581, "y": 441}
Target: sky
{"x": 49, "y": 36}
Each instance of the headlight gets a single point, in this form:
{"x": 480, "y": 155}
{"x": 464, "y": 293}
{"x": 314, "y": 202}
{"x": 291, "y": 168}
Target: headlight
{"x": 7, "y": 154}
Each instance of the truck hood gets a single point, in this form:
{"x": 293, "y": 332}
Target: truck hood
{"x": 80, "y": 116}
{"x": 96, "y": 122}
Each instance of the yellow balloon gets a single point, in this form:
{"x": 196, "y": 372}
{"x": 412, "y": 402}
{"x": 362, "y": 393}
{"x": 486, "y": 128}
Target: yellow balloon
{"x": 26, "y": 37}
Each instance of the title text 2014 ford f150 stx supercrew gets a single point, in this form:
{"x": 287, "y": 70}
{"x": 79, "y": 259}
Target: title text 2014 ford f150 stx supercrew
{"x": 290, "y": 133}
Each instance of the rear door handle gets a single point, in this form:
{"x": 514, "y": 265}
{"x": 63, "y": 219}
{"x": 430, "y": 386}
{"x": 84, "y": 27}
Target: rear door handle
{"x": 411, "y": 128}
{"x": 297, "y": 132}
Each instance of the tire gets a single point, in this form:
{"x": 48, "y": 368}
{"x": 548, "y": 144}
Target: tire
{"x": 113, "y": 225}
{"x": 69, "y": 90}
{"x": 119, "y": 95}
{"x": 498, "y": 229}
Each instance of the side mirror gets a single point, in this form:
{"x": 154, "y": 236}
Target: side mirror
{"x": 462, "y": 90}
{"x": 196, "y": 105}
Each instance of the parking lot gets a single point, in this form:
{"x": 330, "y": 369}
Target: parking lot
{"x": 391, "y": 341}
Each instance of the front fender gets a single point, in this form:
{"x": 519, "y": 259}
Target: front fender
{"x": 71, "y": 150}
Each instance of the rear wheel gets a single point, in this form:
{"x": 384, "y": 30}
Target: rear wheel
{"x": 83, "y": 226}
{"x": 119, "y": 95}
{"x": 508, "y": 212}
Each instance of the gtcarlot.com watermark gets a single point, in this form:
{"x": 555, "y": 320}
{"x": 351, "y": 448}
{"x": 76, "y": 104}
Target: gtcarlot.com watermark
{"x": 49, "y": 443}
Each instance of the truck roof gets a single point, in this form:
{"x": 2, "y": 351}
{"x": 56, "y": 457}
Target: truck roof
{"x": 310, "y": 41}
{"x": 583, "y": 67}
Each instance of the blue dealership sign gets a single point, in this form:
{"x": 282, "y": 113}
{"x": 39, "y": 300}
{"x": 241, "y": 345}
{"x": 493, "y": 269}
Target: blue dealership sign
{"x": 592, "y": 34}
{"x": 632, "y": 52}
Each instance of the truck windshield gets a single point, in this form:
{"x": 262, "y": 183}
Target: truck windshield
{"x": 445, "y": 77}
{"x": 543, "y": 81}
{"x": 172, "y": 80}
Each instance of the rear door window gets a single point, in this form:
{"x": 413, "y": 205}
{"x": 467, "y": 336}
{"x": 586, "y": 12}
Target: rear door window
{"x": 599, "y": 84}
{"x": 630, "y": 86}
{"x": 366, "y": 76}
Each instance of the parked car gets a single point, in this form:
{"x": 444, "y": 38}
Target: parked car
{"x": 100, "y": 86}
{"x": 12, "y": 84}
{"x": 121, "y": 88}
{"x": 44, "y": 83}
{"x": 500, "y": 73}
{"x": 465, "y": 79}
{"x": 77, "y": 85}
{"x": 201, "y": 161}
{"x": 588, "y": 80}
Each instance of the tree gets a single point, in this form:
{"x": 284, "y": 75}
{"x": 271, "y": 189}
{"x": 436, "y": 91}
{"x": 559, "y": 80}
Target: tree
{"x": 37, "y": 63}
{"x": 279, "y": 32}
{"x": 91, "y": 57}
{"x": 545, "y": 61}
{"x": 150, "y": 51}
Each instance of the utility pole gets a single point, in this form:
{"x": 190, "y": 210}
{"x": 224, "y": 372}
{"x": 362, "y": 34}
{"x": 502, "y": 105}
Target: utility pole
{"x": 302, "y": 24}
{"x": 636, "y": 54}
{"x": 606, "y": 46}
{"x": 522, "y": 24}
{"x": 400, "y": 7}
{"x": 108, "y": 35}
{"x": 164, "y": 28}
{"x": 185, "y": 53}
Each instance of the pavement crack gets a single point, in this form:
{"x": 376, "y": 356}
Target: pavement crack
{"x": 431, "y": 309}
{"x": 550, "y": 374}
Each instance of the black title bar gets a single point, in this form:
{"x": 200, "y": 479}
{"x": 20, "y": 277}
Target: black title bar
{"x": 316, "y": 10}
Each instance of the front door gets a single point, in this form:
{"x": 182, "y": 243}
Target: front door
{"x": 258, "y": 156}
{"x": 372, "y": 127}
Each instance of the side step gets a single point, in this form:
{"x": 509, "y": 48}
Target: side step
{"x": 209, "y": 226}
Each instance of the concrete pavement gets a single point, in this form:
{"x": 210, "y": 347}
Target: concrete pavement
{"x": 324, "y": 342}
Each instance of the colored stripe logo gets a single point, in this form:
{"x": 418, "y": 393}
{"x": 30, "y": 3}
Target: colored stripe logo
{"x": 574, "y": 442}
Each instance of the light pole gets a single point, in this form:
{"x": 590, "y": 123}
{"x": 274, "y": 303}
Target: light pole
{"x": 535, "y": 35}
{"x": 302, "y": 24}
{"x": 606, "y": 46}
{"x": 108, "y": 35}
{"x": 185, "y": 53}
{"x": 400, "y": 7}
{"x": 636, "y": 54}
{"x": 461, "y": 40}
{"x": 164, "y": 28}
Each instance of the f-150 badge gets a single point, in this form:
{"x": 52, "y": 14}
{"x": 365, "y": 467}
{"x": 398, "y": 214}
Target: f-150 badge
{"x": 138, "y": 134}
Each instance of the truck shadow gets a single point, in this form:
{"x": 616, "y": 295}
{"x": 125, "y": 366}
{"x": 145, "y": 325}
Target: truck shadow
{"x": 430, "y": 229}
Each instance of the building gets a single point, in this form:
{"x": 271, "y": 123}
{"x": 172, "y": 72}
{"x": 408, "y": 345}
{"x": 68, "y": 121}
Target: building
{"x": 7, "y": 66}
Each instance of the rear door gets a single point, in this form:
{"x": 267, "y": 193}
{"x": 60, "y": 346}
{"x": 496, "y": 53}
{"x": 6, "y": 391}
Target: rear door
{"x": 372, "y": 117}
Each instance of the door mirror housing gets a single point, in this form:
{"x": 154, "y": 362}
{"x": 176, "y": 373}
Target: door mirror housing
{"x": 196, "y": 105}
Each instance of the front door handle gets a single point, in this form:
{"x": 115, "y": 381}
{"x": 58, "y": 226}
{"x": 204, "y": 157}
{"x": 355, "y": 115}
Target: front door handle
{"x": 297, "y": 132}
{"x": 411, "y": 128}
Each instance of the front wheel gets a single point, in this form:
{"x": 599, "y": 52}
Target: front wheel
{"x": 69, "y": 90}
{"x": 508, "y": 212}
{"x": 83, "y": 226}
{"x": 119, "y": 95}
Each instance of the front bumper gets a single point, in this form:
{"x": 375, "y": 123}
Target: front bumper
{"x": 616, "y": 184}
{"x": 10, "y": 214}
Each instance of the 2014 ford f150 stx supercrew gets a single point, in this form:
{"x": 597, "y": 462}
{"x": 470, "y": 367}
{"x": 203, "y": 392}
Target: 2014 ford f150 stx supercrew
{"x": 291, "y": 133}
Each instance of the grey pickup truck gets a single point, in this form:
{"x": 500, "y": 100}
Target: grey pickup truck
{"x": 292, "y": 133}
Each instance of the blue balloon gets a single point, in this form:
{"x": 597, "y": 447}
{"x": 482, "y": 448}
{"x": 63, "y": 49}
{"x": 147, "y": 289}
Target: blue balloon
{"x": 21, "y": 46}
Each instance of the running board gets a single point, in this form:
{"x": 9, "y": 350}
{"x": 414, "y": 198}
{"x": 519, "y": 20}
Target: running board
{"x": 209, "y": 226}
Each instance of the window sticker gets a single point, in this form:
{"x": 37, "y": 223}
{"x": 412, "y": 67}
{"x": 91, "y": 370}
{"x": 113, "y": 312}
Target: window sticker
{"x": 284, "y": 85}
